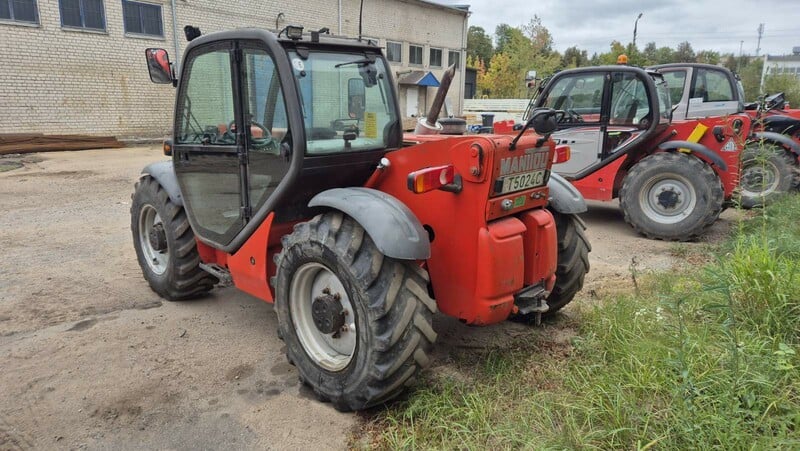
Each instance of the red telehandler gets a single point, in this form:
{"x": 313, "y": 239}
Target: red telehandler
{"x": 291, "y": 180}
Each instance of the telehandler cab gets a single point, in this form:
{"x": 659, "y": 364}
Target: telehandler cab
{"x": 771, "y": 160}
{"x": 291, "y": 180}
{"x": 672, "y": 178}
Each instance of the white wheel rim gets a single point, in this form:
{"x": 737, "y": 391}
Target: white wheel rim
{"x": 668, "y": 198}
{"x": 760, "y": 178}
{"x": 156, "y": 260}
{"x": 332, "y": 351}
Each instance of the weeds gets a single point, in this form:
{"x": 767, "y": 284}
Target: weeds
{"x": 695, "y": 359}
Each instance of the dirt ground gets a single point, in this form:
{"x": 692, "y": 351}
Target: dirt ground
{"x": 91, "y": 358}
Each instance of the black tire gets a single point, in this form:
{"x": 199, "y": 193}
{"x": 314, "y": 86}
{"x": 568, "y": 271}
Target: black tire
{"x": 391, "y": 312}
{"x": 671, "y": 196}
{"x": 767, "y": 172}
{"x": 177, "y": 276}
{"x": 573, "y": 264}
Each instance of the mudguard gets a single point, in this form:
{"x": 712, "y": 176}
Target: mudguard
{"x": 393, "y": 227}
{"x": 164, "y": 174}
{"x": 565, "y": 198}
{"x": 697, "y": 148}
{"x": 779, "y": 139}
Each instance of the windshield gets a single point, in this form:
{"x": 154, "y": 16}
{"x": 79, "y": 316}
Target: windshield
{"x": 347, "y": 101}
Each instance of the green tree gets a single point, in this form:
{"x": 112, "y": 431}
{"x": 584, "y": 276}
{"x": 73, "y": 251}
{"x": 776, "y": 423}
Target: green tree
{"x": 664, "y": 55}
{"x": 750, "y": 74}
{"x": 684, "y": 53}
{"x": 502, "y": 36}
{"x": 539, "y": 35}
{"x": 650, "y": 54}
{"x": 499, "y": 81}
{"x": 479, "y": 44}
{"x": 788, "y": 84}
{"x": 574, "y": 57}
{"x": 708, "y": 57}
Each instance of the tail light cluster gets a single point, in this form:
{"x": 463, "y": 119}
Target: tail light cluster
{"x": 429, "y": 179}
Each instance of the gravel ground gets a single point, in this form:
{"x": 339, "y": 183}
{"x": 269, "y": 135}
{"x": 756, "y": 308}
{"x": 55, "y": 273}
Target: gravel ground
{"x": 91, "y": 358}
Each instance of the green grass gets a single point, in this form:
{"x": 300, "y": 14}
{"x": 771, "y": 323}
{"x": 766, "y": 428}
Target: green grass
{"x": 698, "y": 359}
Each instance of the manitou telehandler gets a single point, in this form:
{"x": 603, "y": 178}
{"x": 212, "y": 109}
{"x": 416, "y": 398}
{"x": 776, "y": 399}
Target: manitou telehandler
{"x": 771, "y": 161}
{"x": 290, "y": 179}
{"x": 672, "y": 178}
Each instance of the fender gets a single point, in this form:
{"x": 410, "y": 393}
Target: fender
{"x": 564, "y": 198}
{"x": 697, "y": 148}
{"x": 777, "y": 138}
{"x": 393, "y": 227}
{"x": 164, "y": 174}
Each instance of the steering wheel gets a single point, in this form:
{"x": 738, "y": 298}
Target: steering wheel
{"x": 568, "y": 116}
{"x": 574, "y": 116}
{"x": 267, "y": 134}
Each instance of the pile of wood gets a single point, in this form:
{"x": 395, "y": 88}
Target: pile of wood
{"x": 34, "y": 142}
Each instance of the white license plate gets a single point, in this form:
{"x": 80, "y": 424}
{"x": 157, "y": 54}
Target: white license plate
{"x": 522, "y": 181}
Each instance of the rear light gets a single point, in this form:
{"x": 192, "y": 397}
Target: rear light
{"x": 167, "y": 148}
{"x": 562, "y": 154}
{"x": 429, "y": 179}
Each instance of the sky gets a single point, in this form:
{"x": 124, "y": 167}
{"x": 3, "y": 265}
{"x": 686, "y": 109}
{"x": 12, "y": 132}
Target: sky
{"x": 719, "y": 25}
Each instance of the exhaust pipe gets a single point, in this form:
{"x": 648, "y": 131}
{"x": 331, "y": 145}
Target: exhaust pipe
{"x": 428, "y": 125}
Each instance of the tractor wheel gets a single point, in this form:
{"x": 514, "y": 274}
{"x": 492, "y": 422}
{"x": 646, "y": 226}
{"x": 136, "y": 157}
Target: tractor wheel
{"x": 671, "y": 196}
{"x": 573, "y": 264}
{"x": 357, "y": 324}
{"x": 766, "y": 173}
{"x": 165, "y": 244}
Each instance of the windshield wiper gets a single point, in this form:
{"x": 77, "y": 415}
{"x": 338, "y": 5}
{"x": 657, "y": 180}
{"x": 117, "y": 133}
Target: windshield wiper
{"x": 359, "y": 62}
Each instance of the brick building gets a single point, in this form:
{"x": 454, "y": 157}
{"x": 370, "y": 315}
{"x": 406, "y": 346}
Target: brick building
{"x": 77, "y": 66}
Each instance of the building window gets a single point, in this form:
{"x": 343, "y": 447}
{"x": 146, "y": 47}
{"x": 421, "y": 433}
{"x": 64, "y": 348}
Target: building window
{"x": 87, "y": 14}
{"x": 142, "y": 18}
{"x": 415, "y": 54}
{"x": 394, "y": 52}
{"x": 19, "y": 11}
{"x": 454, "y": 57}
{"x": 436, "y": 58}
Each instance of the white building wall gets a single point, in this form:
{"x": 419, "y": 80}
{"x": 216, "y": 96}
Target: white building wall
{"x": 57, "y": 80}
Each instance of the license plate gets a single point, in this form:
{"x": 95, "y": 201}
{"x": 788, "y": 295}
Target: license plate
{"x": 522, "y": 181}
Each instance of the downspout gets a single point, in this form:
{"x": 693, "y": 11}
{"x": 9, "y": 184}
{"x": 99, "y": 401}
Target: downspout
{"x": 340, "y": 17}
{"x": 463, "y": 63}
{"x": 175, "y": 37}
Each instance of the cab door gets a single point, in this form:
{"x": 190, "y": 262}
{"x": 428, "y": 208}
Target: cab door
{"x": 207, "y": 149}
{"x": 580, "y": 95}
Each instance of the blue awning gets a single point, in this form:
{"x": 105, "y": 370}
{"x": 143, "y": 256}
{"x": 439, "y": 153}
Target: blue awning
{"x": 418, "y": 78}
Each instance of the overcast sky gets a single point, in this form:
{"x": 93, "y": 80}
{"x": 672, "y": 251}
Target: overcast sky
{"x": 718, "y": 25}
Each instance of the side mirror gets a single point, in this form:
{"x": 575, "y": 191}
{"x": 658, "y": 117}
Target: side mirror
{"x": 356, "y": 97}
{"x": 159, "y": 66}
{"x": 543, "y": 121}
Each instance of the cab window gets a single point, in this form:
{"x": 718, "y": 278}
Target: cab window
{"x": 712, "y": 86}
{"x": 675, "y": 80}
{"x": 347, "y": 101}
{"x": 579, "y": 93}
{"x": 629, "y": 102}
{"x": 205, "y": 109}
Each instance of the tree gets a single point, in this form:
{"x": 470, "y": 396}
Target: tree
{"x": 708, "y": 57}
{"x": 479, "y": 44}
{"x": 539, "y": 35}
{"x": 684, "y": 53}
{"x": 574, "y": 57}
{"x": 750, "y": 74}
{"x": 499, "y": 81}
{"x": 650, "y": 54}
{"x": 788, "y": 84}
{"x": 664, "y": 55}
{"x": 502, "y": 36}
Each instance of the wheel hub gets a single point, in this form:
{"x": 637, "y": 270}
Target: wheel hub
{"x": 157, "y": 237}
{"x": 328, "y": 313}
{"x": 668, "y": 198}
